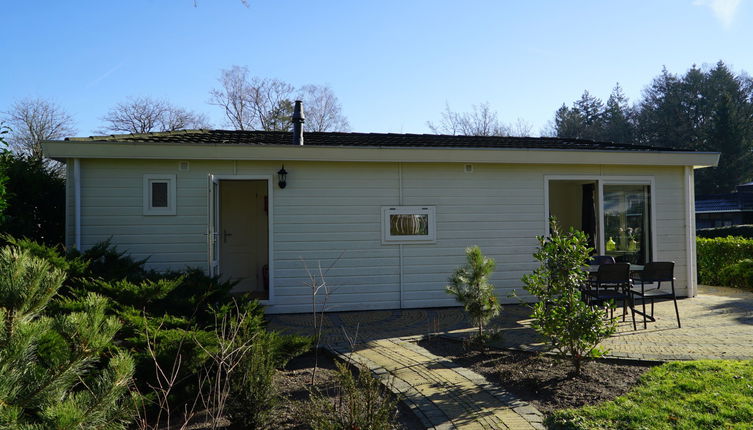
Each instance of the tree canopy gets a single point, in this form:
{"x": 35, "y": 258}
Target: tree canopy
{"x": 34, "y": 120}
{"x": 255, "y": 103}
{"x": 704, "y": 109}
{"x": 145, "y": 115}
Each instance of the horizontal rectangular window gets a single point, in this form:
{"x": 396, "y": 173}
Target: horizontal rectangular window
{"x": 408, "y": 224}
{"x": 159, "y": 195}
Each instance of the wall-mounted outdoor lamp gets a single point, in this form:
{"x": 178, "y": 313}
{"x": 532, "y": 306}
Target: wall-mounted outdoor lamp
{"x": 282, "y": 175}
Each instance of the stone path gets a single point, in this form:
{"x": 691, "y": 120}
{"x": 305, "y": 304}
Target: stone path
{"x": 440, "y": 393}
{"x": 716, "y": 324}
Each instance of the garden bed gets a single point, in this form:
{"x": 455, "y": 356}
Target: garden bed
{"x": 543, "y": 380}
{"x": 293, "y": 383}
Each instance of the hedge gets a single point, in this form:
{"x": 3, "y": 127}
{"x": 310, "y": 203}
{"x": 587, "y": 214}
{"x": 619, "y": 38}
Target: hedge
{"x": 738, "y": 274}
{"x": 744, "y": 230}
{"x": 713, "y": 255}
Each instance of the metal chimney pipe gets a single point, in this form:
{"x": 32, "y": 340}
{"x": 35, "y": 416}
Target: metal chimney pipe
{"x": 298, "y": 120}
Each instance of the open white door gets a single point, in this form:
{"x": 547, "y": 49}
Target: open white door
{"x": 213, "y": 225}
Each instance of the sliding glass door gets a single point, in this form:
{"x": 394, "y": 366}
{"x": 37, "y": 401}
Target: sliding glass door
{"x": 627, "y": 222}
{"x": 615, "y": 213}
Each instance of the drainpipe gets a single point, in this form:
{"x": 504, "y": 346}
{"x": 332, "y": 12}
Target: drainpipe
{"x": 77, "y": 203}
{"x": 298, "y": 120}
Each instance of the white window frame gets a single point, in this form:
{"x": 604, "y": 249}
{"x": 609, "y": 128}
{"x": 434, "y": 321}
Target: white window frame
{"x": 600, "y": 181}
{"x": 389, "y": 239}
{"x": 171, "y": 197}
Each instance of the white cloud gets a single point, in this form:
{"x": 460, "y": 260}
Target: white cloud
{"x": 724, "y": 10}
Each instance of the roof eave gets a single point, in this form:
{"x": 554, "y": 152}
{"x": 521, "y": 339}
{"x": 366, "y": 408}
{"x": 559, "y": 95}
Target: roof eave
{"x": 193, "y": 151}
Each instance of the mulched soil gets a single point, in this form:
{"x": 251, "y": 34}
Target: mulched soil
{"x": 543, "y": 380}
{"x": 294, "y": 382}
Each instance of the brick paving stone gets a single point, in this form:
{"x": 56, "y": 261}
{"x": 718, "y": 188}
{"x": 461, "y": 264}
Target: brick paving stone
{"x": 717, "y": 324}
{"x": 444, "y": 395}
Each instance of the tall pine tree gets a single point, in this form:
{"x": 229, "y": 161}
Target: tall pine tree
{"x": 704, "y": 110}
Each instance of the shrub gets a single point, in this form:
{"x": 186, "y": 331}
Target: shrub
{"x": 3, "y": 175}
{"x": 744, "y": 230}
{"x": 738, "y": 274}
{"x": 35, "y": 199}
{"x": 252, "y": 394}
{"x": 73, "y": 266}
{"x": 360, "y": 402}
{"x": 572, "y": 327}
{"x": 173, "y": 313}
{"x": 470, "y": 286}
{"x": 61, "y": 371}
{"x": 715, "y": 254}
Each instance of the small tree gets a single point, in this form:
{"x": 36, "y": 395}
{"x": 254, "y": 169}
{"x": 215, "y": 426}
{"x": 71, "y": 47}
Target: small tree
{"x": 470, "y": 286}
{"x": 573, "y": 328}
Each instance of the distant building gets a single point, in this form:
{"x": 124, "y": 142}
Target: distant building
{"x": 719, "y": 210}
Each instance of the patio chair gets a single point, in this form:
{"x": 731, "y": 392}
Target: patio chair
{"x": 655, "y": 273}
{"x": 612, "y": 283}
{"x": 598, "y": 260}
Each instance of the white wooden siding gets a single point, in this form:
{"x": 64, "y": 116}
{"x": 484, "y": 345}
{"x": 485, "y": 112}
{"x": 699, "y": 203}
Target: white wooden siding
{"x": 329, "y": 214}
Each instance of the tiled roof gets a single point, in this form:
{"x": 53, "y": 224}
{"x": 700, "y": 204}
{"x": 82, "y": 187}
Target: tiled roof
{"x": 392, "y": 140}
{"x": 731, "y": 202}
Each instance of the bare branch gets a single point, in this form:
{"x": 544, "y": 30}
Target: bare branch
{"x": 322, "y": 108}
{"x": 34, "y": 120}
{"x": 255, "y": 103}
{"x": 146, "y": 115}
{"x": 480, "y": 121}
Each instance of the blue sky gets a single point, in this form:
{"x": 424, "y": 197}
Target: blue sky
{"x": 393, "y": 64}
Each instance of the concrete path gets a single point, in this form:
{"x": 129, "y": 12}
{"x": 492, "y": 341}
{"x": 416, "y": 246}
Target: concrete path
{"x": 440, "y": 393}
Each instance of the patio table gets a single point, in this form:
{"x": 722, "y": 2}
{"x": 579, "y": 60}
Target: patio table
{"x": 634, "y": 268}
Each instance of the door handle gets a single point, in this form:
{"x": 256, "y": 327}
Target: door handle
{"x": 225, "y": 235}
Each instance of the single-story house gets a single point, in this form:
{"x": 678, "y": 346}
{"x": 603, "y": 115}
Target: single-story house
{"x": 720, "y": 210}
{"x": 388, "y": 216}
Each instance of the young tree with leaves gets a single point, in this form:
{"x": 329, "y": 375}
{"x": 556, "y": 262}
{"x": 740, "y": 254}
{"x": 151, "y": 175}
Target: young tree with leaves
{"x": 573, "y": 328}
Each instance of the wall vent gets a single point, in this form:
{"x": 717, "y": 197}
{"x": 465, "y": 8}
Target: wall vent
{"x": 468, "y": 168}
{"x": 183, "y": 166}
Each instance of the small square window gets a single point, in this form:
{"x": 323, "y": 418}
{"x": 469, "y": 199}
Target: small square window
{"x": 408, "y": 224}
{"x": 159, "y": 194}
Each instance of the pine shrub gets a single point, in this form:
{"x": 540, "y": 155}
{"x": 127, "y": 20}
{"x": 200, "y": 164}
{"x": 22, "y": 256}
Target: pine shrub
{"x": 59, "y": 371}
{"x": 470, "y": 286}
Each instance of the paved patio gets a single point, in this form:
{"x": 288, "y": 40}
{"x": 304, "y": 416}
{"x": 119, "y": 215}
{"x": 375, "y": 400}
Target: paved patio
{"x": 718, "y": 323}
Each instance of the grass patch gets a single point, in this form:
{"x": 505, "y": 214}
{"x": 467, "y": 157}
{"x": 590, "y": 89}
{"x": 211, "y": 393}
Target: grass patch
{"x": 703, "y": 394}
